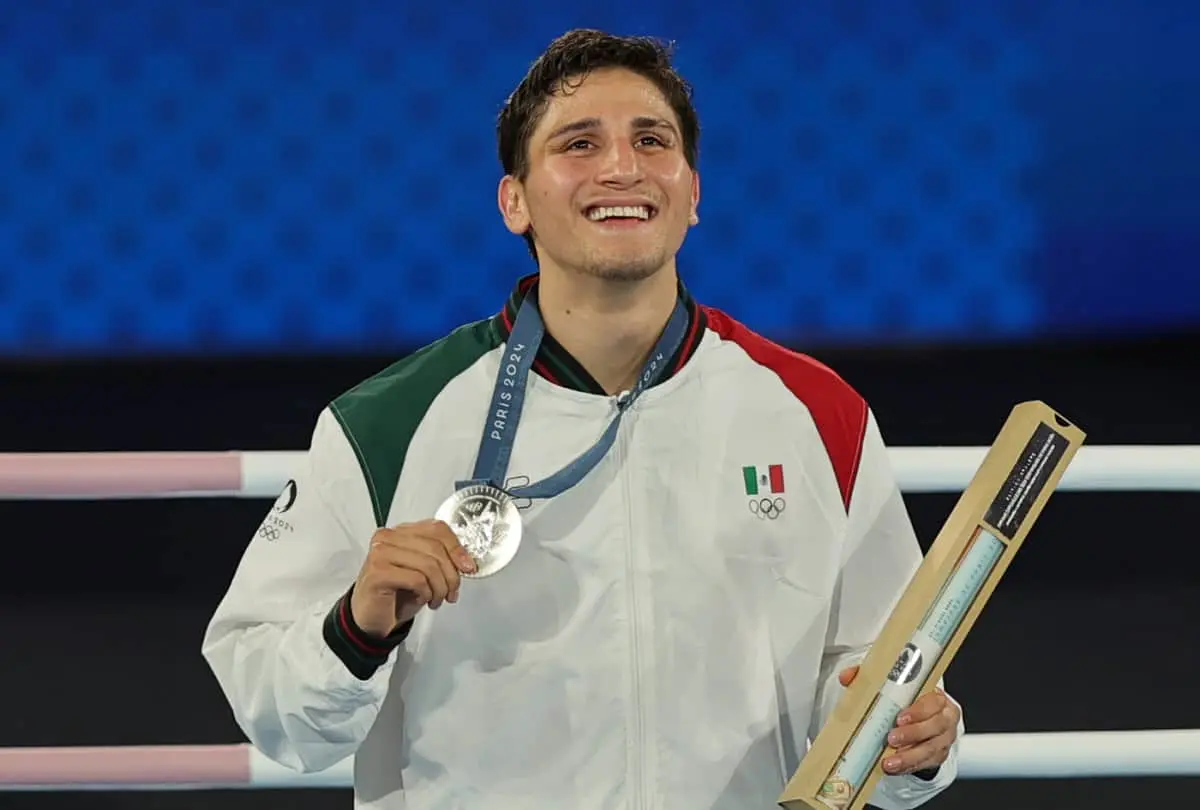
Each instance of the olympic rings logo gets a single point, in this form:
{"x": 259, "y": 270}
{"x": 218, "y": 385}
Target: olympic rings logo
{"x": 274, "y": 527}
{"x": 767, "y": 509}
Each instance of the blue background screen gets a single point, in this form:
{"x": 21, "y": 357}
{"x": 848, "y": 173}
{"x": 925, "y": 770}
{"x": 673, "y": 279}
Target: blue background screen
{"x": 254, "y": 177}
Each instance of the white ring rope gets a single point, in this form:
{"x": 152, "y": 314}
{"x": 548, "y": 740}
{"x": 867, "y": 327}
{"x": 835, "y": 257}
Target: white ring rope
{"x": 263, "y": 474}
{"x": 1046, "y": 755}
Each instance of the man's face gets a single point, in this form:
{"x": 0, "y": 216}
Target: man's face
{"x": 609, "y": 192}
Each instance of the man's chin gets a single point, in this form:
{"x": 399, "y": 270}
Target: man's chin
{"x": 627, "y": 271}
{"x": 625, "y": 268}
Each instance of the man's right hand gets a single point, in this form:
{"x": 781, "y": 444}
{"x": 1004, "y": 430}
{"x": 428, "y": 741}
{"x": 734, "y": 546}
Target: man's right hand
{"x": 407, "y": 567}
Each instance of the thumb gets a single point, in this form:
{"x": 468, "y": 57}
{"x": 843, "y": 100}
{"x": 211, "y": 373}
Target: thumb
{"x": 847, "y": 675}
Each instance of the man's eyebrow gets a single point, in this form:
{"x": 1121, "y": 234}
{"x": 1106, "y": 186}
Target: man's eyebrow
{"x": 647, "y": 122}
{"x": 575, "y": 126}
{"x": 584, "y": 124}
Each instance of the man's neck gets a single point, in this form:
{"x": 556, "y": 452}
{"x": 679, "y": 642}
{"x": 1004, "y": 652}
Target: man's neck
{"x": 610, "y": 327}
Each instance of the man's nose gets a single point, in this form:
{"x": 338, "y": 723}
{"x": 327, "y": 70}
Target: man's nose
{"x": 620, "y": 164}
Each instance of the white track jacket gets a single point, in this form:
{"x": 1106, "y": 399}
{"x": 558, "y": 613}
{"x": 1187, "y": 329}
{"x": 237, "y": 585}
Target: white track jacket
{"x": 669, "y": 634}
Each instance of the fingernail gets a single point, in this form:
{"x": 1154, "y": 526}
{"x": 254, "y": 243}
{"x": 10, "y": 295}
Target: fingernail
{"x": 892, "y": 764}
{"x": 894, "y": 737}
{"x": 903, "y": 719}
{"x": 465, "y": 562}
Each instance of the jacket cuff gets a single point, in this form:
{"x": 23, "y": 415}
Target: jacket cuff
{"x": 361, "y": 652}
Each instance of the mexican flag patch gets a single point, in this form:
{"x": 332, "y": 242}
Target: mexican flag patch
{"x": 767, "y": 479}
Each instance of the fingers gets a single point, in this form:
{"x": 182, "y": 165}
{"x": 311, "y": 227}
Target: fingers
{"x": 435, "y": 539}
{"x": 928, "y": 754}
{"x": 916, "y": 732}
{"x": 422, "y": 553}
{"x": 397, "y": 578}
{"x": 393, "y": 567}
{"x": 924, "y": 734}
{"x": 438, "y": 530}
{"x": 924, "y": 708}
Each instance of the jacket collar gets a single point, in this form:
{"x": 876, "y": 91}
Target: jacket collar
{"x": 556, "y": 364}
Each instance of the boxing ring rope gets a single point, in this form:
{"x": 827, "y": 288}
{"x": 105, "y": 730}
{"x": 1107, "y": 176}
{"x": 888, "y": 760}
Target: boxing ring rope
{"x": 263, "y": 474}
{"x": 1047, "y": 755}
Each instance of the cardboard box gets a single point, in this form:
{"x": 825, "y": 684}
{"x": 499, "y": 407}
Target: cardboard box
{"x": 976, "y": 545}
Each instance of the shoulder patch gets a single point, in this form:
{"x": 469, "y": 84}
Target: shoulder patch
{"x": 839, "y": 411}
{"x": 380, "y": 415}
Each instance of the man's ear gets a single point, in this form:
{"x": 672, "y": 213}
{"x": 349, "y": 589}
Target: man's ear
{"x": 510, "y": 197}
{"x": 694, "y": 215}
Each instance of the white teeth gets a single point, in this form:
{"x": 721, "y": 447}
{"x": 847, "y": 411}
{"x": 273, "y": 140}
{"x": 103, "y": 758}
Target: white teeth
{"x": 623, "y": 211}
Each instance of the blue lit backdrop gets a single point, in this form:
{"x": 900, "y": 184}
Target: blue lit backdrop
{"x": 320, "y": 175}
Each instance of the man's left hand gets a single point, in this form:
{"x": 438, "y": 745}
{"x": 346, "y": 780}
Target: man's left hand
{"x": 924, "y": 731}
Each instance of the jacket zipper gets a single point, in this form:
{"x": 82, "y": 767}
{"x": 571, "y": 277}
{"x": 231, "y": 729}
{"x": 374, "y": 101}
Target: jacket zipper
{"x": 638, "y": 751}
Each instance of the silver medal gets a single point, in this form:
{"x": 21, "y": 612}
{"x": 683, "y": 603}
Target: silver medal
{"x": 486, "y": 523}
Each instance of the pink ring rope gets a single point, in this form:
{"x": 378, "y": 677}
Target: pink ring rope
{"x": 114, "y": 475}
{"x": 135, "y": 764}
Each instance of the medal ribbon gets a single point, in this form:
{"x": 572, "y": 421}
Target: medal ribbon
{"x": 508, "y": 398}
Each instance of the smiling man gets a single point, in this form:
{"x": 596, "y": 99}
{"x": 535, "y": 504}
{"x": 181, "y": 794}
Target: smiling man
{"x": 606, "y": 549}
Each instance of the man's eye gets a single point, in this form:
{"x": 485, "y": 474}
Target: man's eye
{"x": 578, "y": 144}
{"x": 651, "y": 140}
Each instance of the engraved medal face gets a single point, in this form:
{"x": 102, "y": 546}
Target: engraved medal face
{"x": 486, "y": 523}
